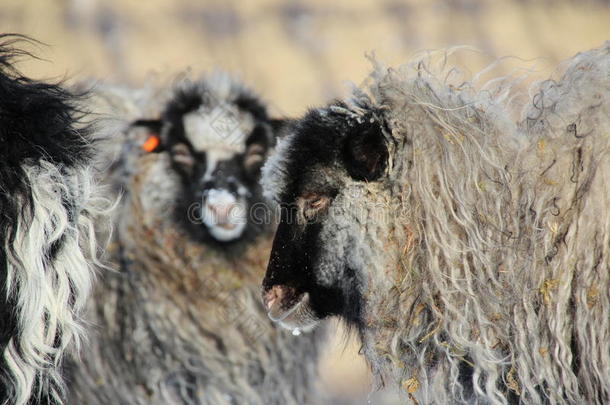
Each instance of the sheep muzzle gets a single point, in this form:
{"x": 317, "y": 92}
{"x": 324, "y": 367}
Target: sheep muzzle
{"x": 290, "y": 309}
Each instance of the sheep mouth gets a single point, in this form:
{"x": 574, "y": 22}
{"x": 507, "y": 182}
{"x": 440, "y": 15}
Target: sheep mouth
{"x": 290, "y": 308}
{"x": 226, "y": 225}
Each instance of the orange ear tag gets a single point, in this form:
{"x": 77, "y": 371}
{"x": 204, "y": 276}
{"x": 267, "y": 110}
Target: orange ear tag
{"x": 151, "y": 143}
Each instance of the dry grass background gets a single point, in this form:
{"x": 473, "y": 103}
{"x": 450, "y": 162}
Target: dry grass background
{"x": 295, "y": 53}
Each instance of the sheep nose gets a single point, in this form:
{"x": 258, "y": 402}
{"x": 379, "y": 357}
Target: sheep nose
{"x": 220, "y": 205}
{"x": 221, "y": 211}
{"x": 274, "y": 294}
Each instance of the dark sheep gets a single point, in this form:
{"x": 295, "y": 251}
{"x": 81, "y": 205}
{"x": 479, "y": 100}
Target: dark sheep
{"x": 471, "y": 253}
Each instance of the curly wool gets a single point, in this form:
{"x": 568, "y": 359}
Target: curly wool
{"x": 493, "y": 287}
{"x": 50, "y": 293}
{"x": 48, "y": 203}
{"x": 181, "y": 322}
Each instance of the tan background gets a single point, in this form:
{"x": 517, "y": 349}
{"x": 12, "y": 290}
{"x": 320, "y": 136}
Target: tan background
{"x": 295, "y": 53}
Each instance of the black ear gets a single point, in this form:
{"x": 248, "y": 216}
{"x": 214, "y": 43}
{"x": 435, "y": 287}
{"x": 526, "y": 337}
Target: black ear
{"x": 153, "y": 126}
{"x": 278, "y": 124}
{"x": 281, "y": 126}
{"x": 259, "y": 136}
{"x": 365, "y": 153}
{"x": 152, "y": 139}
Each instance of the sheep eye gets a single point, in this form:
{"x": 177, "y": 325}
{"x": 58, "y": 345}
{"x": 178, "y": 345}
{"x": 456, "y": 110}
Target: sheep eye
{"x": 182, "y": 156}
{"x": 313, "y": 204}
{"x": 254, "y": 159}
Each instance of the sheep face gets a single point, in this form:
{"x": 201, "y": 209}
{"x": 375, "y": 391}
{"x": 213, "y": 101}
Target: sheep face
{"x": 312, "y": 273}
{"x": 217, "y": 144}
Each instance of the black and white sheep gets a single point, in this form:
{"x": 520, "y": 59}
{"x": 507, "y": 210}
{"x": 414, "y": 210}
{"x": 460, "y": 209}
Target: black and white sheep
{"x": 471, "y": 253}
{"x": 47, "y": 202}
{"x": 181, "y": 322}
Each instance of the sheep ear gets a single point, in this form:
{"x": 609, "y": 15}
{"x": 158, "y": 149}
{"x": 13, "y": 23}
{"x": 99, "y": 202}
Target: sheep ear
{"x": 152, "y": 141}
{"x": 366, "y": 152}
{"x": 153, "y": 126}
{"x": 280, "y": 125}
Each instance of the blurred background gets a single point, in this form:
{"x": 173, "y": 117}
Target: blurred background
{"x": 296, "y": 54}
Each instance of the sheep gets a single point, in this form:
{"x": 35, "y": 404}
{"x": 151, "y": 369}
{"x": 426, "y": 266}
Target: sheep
{"x": 48, "y": 200}
{"x": 469, "y": 248}
{"x": 181, "y": 321}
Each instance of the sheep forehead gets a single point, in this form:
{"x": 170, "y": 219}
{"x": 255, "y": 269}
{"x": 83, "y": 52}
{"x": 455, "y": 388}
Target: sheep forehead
{"x": 279, "y": 170}
{"x": 213, "y": 158}
{"x": 219, "y": 127}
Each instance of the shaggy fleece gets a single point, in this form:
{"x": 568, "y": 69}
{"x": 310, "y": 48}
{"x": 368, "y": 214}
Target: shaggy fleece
{"x": 483, "y": 253}
{"x": 501, "y": 262}
{"x": 179, "y": 321}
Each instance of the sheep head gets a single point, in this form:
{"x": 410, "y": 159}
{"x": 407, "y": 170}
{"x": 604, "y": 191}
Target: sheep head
{"x": 329, "y": 154}
{"x": 218, "y": 136}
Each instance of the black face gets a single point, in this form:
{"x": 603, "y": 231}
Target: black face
{"x": 308, "y": 277}
{"x": 217, "y": 147}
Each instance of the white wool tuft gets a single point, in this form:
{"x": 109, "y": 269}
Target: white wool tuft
{"x": 51, "y": 293}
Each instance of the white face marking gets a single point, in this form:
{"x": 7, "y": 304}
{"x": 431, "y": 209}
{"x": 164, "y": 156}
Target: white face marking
{"x": 220, "y": 133}
{"x": 224, "y": 215}
{"x": 221, "y": 127}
